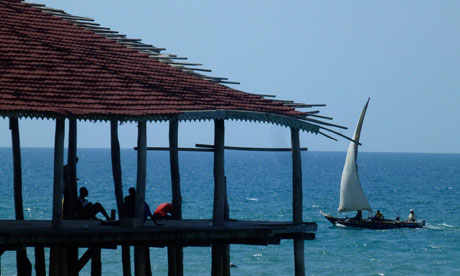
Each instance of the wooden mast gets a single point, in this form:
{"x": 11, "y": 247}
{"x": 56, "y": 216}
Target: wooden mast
{"x": 140, "y": 251}
{"x": 299, "y": 258}
{"x": 175, "y": 253}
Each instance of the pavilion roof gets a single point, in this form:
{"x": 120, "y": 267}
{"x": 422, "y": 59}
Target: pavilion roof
{"x": 53, "y": 64}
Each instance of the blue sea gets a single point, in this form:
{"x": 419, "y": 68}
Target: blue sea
{"x": 259, "y": 188}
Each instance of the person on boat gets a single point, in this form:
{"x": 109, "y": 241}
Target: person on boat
{"x": 378, "y": 216}
{"x": 130, "y": 203}
{"x": 87, "y": 210}
{"x": 359, "y": 215}
{"x": 163, "y": 211}
{"x": 411, "y": 217}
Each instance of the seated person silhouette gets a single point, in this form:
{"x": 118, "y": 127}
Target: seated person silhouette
{"x": 130, "y": 203}
{"x": 87, "y": 210}
{"x": 163, "y": 211}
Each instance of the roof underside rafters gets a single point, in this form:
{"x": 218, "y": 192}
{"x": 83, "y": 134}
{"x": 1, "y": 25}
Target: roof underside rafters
{"x": 54, "y": 64}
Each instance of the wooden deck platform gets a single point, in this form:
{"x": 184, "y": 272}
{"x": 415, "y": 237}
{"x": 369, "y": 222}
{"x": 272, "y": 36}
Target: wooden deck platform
{"x": 172, "y": 233}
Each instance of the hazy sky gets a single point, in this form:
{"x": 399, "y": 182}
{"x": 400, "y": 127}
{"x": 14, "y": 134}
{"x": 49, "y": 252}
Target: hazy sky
{"x": 404, "y": 55}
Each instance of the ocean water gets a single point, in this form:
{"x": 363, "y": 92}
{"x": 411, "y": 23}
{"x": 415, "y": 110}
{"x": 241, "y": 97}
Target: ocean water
{"x": 259, "y": 188}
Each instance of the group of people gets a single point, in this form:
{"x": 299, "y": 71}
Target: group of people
{"x": 86, "y": 210}
{"x": 379, "y": 216}
{"x": 163, "y": 211}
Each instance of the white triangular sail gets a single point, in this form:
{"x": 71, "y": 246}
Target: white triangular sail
{"x": 352, "y": 197}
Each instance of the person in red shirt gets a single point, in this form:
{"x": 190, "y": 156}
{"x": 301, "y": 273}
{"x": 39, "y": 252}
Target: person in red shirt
{"x": 163, "y": 211}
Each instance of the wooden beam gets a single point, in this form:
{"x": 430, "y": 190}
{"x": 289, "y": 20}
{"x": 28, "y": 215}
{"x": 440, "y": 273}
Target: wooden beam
{"x": 18, "y": 206}
{"x": 218, "y": 216}
{"x": 299, "y": 253}
{"x": 116, "y": 166}
{"x": 248, "y": 148}
{"x": 58, "y": 174}
{"x": 85, "y": 258}
{"x": 178, "y": 149}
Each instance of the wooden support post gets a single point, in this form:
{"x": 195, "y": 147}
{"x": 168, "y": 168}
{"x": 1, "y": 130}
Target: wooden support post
{"x": 116, "y": 166}
{"x": 299, "y": 257}
{"x": 226, "y": 259}
{"x": 24, "y": 266}
{"x": 139, "y": 251}
{"x": 18, "y": 206}
{"x": 96, "y": 266}
{"x": 219, "y": 251}
{"x": 118, "y": 184}
{"x": 175, "y": 253}
{"x": 126, "y": 259}
{"x": 218, "y": 215}
{"x": 58, "y": 174}
{"x": 139, "y": 260}
{"x": 148, "y": 267}
{"x": 174, "y": 163}
{"x": 58, "y": 261}
{"x": 70, "y": 189}
{"x": 40, "y": 266}
{"x": 141, "y": 169}
{"x": 217, "y": 260}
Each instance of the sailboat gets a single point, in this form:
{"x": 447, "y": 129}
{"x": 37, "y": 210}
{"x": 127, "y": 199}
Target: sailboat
{"x": 352, "y": 197}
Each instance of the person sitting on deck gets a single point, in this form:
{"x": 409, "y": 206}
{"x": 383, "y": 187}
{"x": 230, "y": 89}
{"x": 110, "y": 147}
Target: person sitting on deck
{"x": 130, "y": 203}
{"x": 87, "y": 210}
{"x": 359, "y": 215}
{"x": 163, "y": 211}
{"x": 378, "y": 216}
{"x": 411, "y": 217}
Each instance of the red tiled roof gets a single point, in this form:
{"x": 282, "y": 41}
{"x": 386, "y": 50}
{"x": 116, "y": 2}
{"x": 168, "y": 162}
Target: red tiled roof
{"x": 50, "y": 67}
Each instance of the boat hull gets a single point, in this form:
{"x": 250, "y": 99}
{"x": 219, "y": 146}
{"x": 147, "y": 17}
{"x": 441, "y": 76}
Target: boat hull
{"x": 373, "y": 224}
